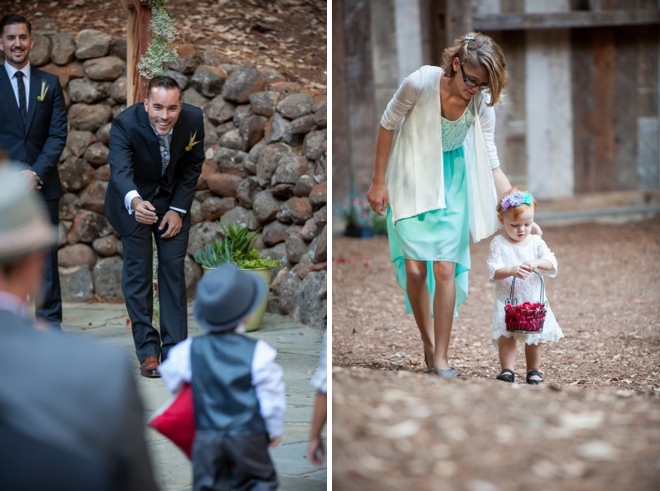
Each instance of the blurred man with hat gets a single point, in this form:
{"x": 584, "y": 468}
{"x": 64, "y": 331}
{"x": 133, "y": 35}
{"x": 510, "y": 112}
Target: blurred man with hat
{"x": 238, "y": 393}
{"x": 70, "y": 415}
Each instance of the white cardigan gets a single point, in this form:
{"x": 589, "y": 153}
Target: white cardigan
{"x": 415, "y": 178}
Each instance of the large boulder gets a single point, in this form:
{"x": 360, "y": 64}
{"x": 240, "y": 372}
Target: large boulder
{"x": 188, "y": 60}
{"x": 302, "y": 125}
{"x": 274, "y": 233}
{"x": 119, "y": 90}
{"x": 91, "y": 43}
{"x": 75, "y": 174}
{"x": 296, "y": 210}
{"x": 76, "y": 255}
{"x": 106, "y": 246}
{"x": 88, "y": 91}
{"x": 97, "y": 154}
{"x": 65, "y": 73}
{"x": 63, "y": 49}
{"x": 265, "y": 206}
{"x": 269, "y": 159}
{"x": 103, "y": 133}
{"x": 93, "y": 196}
{"x": 313, "y": 144}
{"x": 223, "y": 184}
{"x": 213, "y": 208}
{"x": 318, "y": 249}
{"x": 288, "y": 291}
{"x": 304, "y": 185}
{"x": 194, "y": 98}
{"x": 264, "y": 103}
{"x": 247, "y": 191}
{"x": 295, "y": 105}
{"x": 278, "y": 129}
{"x": 87, "y": 226}
{"x": 40, "y": 52}
{"x": 289, "y": 169}
{"x": 220, "y": 111}
{"x": 309, "y": 306}
{"x": 242, "y": 83}
{"x": 193, "y": 272}
{"x": 107, "y": 278}
{"x": 319, "y": 195}
{"x": 106, "y": 68}
{"x": 252, "y": 129}
{"x": 69, "y": 206}
{"x": 295, "y": 247}
{"x": 76, "y": 284}
{"x": 78, "y": 141}
{"x": 240, "y": 217}
{"x": 203, "y": 234}
{"x": 231, "y": 161}
{"x": 119, "y": 48}
{"x": 88, "y": 118}
{"x": 209, "y": 80}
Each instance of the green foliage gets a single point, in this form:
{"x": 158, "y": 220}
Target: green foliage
{"x": 237, "y": 247}
{"x": 162, "y": 49}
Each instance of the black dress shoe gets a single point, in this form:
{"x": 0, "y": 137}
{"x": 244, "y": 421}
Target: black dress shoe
{"x": 149, "y": 367}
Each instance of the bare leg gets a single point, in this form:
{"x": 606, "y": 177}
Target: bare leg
{"x": 507, "y": 347}
{"x": 443, "y": 311}
{"x": 533, "y": 358}
{"x": 419, "y": 298}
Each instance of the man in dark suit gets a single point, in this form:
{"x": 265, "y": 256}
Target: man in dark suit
{"x": 70, "y": 414}
{"x": 33, "y": 130}
{"x": 156, "y": 157}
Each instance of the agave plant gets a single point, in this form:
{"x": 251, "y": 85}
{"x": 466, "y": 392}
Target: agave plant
{"x": 237, "y": 247}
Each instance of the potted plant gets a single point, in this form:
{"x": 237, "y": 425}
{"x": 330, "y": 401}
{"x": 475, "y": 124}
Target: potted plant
{"x": 361, "y": 220}
{"x": 238, "y": 248}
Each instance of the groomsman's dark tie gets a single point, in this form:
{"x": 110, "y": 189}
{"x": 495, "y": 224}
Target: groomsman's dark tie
{"x": 164, "y": 155}
{"x": 21, "y": 95}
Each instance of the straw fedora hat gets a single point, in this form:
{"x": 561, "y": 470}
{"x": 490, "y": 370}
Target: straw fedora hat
{"x": 24, "y": 223}
{"x": 226, "y": 296}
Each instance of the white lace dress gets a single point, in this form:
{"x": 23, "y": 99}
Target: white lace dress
{"x": 503, "y": 253}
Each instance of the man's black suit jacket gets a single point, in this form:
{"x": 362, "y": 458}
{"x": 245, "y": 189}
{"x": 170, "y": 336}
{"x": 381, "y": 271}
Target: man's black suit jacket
{"x": 41, "y": 145}
{"x": 136, "y": 164}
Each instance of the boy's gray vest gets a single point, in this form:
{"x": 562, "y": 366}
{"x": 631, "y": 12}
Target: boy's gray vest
{"x": 223, "y": 396}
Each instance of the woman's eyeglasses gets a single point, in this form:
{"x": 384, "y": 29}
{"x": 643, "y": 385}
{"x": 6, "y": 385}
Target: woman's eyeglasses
{"x": 470, "y": 83}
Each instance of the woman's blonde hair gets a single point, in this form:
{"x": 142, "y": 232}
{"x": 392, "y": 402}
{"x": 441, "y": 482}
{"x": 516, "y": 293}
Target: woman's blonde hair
{"x": 479, "y": 49}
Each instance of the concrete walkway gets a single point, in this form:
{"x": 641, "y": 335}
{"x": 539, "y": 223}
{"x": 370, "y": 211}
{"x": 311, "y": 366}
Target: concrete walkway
{"x": 299, "y": 348}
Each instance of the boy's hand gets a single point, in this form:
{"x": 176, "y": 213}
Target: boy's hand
{"x": 274, "y": 441}
{"x": 521, "y": 271}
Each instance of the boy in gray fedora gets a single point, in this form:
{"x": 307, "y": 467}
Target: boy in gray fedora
{"x": 238, "y": 393}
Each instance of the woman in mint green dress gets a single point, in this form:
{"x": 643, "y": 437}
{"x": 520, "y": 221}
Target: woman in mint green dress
{"x": 441, "y": 181}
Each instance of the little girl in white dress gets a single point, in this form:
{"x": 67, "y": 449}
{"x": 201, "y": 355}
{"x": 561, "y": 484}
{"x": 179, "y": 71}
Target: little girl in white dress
{"x": 517, "y": 253}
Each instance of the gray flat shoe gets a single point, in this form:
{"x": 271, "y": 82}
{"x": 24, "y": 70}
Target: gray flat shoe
{"x": 451, "y": 373}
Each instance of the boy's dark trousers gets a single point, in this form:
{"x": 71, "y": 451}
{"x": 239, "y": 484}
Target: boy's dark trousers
{"x": 228, "y": 463}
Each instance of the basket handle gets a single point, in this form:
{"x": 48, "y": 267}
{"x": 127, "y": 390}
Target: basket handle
{"x": 513, "y": 301}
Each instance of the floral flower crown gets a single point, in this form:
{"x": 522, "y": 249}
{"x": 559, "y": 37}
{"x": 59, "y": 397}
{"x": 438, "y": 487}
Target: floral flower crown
{"x": 516, "y": 199}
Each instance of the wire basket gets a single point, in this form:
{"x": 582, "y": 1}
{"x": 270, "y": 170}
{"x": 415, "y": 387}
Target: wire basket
{"x": 527, "y": 318}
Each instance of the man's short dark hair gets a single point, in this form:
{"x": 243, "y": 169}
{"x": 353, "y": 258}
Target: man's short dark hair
{"x": 11, "y": 19}
{"x": 163, "y": 81}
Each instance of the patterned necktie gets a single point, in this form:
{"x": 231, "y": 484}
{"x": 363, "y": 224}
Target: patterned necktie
{"x": 21, "y": 96}
{"x": 164, "y": 154}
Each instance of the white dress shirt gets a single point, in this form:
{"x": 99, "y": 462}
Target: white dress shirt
{"x": 128, "y": 199}
{"x": 266, "y": 380}
{"x": 11, "y": 71}
{"x": 415, "y": 176}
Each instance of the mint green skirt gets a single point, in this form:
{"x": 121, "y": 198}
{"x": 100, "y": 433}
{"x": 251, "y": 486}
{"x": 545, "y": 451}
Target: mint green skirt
{"x": 437, "y": 235}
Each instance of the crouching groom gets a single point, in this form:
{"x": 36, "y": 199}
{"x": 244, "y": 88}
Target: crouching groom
{"x": 156, "y": 156}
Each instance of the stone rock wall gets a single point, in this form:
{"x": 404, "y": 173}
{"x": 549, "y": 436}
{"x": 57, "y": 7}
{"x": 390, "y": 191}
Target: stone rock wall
{"x": 266, "y": 166}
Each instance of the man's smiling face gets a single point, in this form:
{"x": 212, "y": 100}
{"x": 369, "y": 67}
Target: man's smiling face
{"x": 16, "y": 44}
{"x": 163, "y": 106}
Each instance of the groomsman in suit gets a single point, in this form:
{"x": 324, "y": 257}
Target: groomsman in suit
{"x": 33, "y": 130}
{"x": 156, "y": 157}
{"x": 70, "y": 414}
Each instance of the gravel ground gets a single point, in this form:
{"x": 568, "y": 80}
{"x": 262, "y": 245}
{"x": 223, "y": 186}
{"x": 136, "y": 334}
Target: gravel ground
{"x": 596, "y": 425}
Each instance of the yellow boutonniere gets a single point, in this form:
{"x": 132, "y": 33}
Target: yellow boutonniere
{"x": 192, "y": 142}
{"x": 44, "y": 91}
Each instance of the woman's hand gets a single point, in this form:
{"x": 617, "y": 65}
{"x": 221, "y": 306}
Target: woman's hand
{"x": 536, "y": 230}
{"x": 378, "y": 198}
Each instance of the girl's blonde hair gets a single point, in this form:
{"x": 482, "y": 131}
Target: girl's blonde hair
{"x": 475, "y": 51}
{"x": 517, "y": 204}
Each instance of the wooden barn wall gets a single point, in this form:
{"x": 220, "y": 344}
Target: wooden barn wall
{"x": 353, "y": 99}
{"x": 615, "y": 108}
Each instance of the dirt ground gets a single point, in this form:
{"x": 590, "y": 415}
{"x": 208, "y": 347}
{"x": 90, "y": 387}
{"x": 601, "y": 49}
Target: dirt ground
{"x": 595, "y": 426}
{"x": 288, "y": 35}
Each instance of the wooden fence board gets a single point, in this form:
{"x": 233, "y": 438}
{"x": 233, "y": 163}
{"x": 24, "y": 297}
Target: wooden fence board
{"x": 340, "y": 123}
{"x": 625, "y": 107}
{"x": 582, "y": 61}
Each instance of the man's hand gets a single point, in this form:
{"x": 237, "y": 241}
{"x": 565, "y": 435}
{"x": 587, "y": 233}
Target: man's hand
{"x": 144, "y": 211}
{"x": 173, "y": 222}
{"x": 31, "y": 179}
{"x": 274, "y": 441}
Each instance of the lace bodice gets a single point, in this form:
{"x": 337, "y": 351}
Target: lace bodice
{"x": 454, "y": 132}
